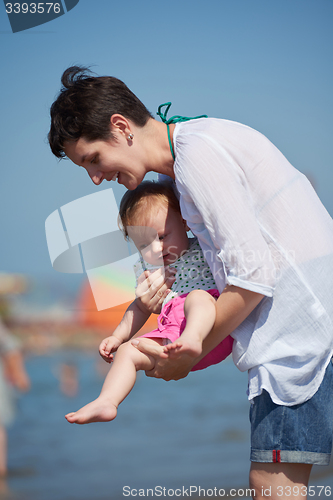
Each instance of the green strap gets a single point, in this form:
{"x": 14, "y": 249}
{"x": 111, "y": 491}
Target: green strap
{"x": 173, "y": 119}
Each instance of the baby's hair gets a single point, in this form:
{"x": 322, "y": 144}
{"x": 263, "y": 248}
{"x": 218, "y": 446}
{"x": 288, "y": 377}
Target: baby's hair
{"x": 142, "y": 199}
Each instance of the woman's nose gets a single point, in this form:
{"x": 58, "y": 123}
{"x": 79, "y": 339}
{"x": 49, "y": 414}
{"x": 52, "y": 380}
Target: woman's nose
{"x": 96, "y": 177}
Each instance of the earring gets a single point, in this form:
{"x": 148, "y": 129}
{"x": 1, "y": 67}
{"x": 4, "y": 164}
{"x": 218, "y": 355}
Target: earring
{"x": 130, "y": 137}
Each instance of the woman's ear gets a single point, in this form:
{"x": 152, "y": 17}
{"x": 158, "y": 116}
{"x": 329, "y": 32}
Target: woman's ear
{"x": 120, "y": 123}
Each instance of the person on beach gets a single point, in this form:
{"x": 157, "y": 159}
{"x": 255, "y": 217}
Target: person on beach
{"x": 151, "y": 216}
{"x": 12, "y": 375}
{"x": 268, "y": 241}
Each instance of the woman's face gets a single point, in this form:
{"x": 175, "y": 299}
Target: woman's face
{"x": 109, "y": 160}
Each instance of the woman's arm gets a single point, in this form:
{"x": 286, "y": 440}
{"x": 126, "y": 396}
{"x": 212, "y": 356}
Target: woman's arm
{"x": 232, "y": 308}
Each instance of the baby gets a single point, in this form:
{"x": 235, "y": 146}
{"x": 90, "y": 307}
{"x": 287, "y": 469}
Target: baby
{"x": 150, "y": 216}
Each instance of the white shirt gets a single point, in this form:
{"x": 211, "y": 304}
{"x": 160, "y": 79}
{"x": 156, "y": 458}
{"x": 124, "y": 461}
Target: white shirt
{"x": 262, "y": 227}
{"x": 192, "y": 272}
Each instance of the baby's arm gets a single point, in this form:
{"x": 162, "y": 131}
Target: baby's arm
{"x": 134, "y": 319}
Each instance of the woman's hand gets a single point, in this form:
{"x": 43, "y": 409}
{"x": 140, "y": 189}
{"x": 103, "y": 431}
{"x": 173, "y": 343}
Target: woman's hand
{"x": 165, "y": 367}
{"x": 153, "y": 288}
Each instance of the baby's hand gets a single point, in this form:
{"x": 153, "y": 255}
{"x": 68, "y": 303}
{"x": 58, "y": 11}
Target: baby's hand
{"x": 107, "y": 347}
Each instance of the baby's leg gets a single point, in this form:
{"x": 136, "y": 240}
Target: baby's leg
{"x": 117, "y": 385}
{"x": 200, "y": 314}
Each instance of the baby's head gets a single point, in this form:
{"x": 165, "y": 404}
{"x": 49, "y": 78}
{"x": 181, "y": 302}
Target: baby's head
{"x": 150, "y": 216}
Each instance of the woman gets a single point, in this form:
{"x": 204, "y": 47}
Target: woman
{"x": 269, "y": 244}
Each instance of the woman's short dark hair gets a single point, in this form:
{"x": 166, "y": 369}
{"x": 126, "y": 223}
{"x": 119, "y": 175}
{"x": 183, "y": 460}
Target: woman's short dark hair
{"x": 85, "y": 105}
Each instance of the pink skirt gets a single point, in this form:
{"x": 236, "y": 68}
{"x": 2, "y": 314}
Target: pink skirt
{"x": 171, "y": 323}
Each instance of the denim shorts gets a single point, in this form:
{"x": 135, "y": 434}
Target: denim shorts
{"x": 295, "y": 434}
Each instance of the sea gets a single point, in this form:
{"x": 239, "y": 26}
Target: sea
{"x": 187, "y": 438}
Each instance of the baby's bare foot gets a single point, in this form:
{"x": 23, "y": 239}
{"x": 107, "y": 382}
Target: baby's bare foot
{"x": 100, "y": 410}
{"x": 191, "y": 347}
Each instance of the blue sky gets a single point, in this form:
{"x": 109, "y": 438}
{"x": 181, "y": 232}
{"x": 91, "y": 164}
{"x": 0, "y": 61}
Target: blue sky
{"x": 267, "y": 64}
